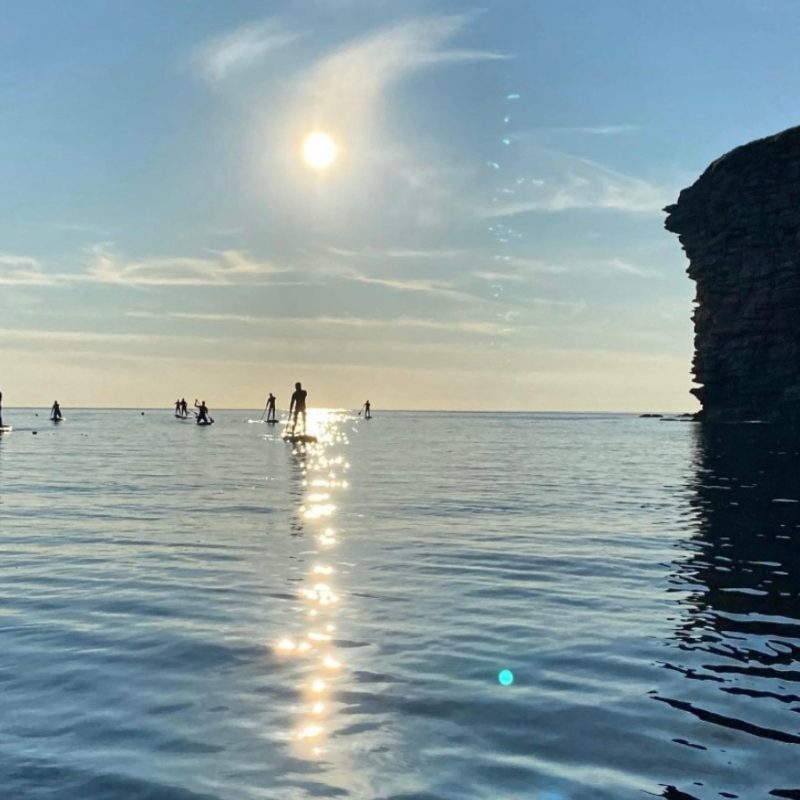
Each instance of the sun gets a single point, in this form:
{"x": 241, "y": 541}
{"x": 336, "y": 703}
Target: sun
{"x": 319, "y": 150}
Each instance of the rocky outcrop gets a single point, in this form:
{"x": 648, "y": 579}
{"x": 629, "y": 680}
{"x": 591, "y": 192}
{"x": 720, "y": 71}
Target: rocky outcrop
{"x": 740, "y": 227}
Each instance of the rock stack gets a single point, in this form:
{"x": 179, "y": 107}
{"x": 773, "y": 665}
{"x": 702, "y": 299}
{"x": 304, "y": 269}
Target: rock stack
{"x": 740, "y": 227}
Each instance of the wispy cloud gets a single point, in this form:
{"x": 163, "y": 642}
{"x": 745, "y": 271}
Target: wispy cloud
{"x": 242, "y": 48}
{"x": 457, "y": 326}
{"x": 498, "y": 276}
{"x": 228, "y": 267}
{"x": 626, "y": 267}
{"x": 423, "y": 285}
{"x": 398, "y": 253}
{"x": 345, "y": 85}
{"x": 523, "y": 266}
{"x": 597, "y": 130}
{"x": 578, "y": 183}
{"x": 22, "y": 271}
{"x": 80, "y": 337}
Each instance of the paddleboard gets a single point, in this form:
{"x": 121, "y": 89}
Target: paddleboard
{"x": 300, "y": 439}
{"x": 210, "y": 422}
{"x": 271, "y": 421}
{"x": 6, "y": 428}
{"x": 57, "y": 419}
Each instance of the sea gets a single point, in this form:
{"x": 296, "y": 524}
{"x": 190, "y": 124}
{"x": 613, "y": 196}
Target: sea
{"x": 420, "y": 606}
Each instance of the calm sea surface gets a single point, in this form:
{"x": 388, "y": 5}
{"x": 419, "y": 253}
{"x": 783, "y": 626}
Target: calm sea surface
{"x": 205, "y": 614}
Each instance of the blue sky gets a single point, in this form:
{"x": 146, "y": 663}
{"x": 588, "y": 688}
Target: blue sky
{"x": 489, "y": 237}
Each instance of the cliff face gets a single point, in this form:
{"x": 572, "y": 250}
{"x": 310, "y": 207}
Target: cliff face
{"x": 740, "y": 227}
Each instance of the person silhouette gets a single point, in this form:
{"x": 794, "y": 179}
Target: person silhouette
{"x": 55, "y": 412}
{"x": 298, "y": 405}
{"x": 203, "y": 417}
{"x": 271, "y": 400}
{"x": 366, "y": 407}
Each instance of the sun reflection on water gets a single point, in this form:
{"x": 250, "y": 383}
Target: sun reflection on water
{"x": 321, "y": 478}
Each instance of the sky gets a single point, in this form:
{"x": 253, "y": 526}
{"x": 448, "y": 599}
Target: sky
{"x": 489, "y": 236}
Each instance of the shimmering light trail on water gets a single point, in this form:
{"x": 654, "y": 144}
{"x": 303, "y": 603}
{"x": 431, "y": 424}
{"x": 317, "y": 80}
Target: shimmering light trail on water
{"x": 320, "y": 599}
{"x": 216, "y": 614}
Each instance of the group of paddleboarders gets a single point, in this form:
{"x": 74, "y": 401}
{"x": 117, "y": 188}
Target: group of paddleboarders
{"x": 297, "y": 407}
{"x": 202, "y": 417}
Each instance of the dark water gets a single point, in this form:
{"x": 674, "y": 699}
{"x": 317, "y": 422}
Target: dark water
{"x": 188, "y": 614}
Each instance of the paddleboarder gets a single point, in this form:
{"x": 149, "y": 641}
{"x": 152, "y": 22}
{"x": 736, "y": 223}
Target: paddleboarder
{"x": 202, "y": 413}
{"x": 271, "y": 408}
{"x": 366, "y": 408}
{"x": 55, "y": 411}
{"x": 298, "y": 405}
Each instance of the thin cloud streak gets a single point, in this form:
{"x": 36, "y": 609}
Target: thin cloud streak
{"x": 629, "y": 268}
{"x": 434, "y": 287}
{"x": 227, "y": 268}
{"x": 398, "y": 253}
{"x": 456, "y": 326}
{"x": 22, "y": 271}
{"x": 242, "y": 48}
{"x": 597, "y": 130}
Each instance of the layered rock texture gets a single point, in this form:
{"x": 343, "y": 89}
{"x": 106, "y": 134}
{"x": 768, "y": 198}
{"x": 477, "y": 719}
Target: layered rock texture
{"x": 740, "y": 227}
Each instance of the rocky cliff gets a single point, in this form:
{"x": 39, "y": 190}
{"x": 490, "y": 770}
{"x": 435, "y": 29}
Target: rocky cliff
{"x": 740, "y": 227}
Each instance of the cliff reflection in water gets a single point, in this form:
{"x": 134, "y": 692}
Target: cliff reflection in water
{"x": 740, "y": 628}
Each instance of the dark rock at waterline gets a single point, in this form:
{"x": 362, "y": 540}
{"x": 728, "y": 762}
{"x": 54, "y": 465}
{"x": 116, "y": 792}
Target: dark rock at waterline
{"x": 739, "y": 224}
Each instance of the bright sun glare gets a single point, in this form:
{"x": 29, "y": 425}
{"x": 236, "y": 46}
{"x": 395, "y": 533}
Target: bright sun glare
{"x": 319, "y": 150}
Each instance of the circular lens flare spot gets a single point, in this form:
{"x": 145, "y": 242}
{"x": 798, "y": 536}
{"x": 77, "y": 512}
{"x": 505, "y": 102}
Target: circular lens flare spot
{"x": 505, "y": 677}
